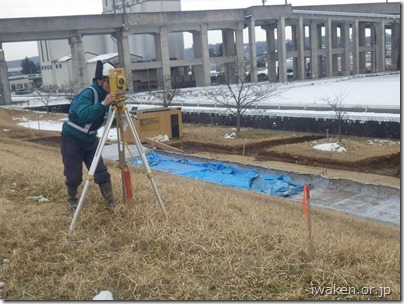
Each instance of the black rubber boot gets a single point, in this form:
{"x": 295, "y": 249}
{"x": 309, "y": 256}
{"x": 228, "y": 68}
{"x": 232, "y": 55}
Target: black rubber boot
{"x": 72, "y": 197}
{"x": 107, "y": 194}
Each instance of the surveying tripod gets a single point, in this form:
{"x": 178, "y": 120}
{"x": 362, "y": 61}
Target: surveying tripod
{"x": 121, "y": 113}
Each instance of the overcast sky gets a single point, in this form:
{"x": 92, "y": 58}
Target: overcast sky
{"x": 39, "y": 8}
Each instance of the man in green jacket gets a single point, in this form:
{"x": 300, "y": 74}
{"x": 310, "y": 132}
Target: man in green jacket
{"x": 87, "y": 114}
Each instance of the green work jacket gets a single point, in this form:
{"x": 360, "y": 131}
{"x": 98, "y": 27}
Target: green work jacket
{"x": 86, "y": 115}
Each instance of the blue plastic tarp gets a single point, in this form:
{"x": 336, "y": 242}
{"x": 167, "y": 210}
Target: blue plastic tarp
{"x": 280, "y": 185}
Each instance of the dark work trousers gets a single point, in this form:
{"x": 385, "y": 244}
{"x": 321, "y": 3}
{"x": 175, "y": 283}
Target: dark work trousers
{"x": 74, "y": 153}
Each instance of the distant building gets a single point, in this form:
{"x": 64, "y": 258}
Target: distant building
{"x": 111, "y": 57}
{"x": 13, "y": 71}
{"x": 56, "y": 63}
{"x": 22, "y": 84}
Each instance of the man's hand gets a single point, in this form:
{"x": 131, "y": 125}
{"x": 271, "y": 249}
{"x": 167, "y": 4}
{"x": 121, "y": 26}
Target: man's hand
{"x": 111, "y": 97}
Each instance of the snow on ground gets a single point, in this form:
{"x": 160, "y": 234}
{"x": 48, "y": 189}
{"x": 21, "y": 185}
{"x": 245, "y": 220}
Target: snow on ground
{"x": 34, "y": 100}
{"x": 57, "y": 126}
{"x": 332, "y": 147}
{"x": 361, "y": 90}
{"x": 370, "y": 90}
{"x": 48, "y": 125}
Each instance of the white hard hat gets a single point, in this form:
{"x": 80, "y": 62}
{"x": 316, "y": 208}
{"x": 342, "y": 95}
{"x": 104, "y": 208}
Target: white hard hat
{"x": 106, "y": 68}
{"x": 102, "y": 69}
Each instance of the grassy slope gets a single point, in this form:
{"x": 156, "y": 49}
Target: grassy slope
{"x": 219, "y": 243}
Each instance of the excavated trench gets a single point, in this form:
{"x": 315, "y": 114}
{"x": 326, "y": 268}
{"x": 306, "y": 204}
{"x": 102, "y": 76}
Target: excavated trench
{"x": 375, "y": 202}
{"x": 379, "y": 203}
{"x": 370, "y": 201}
{"x": 388, "y": 165}
{"x": 249, "y": 149}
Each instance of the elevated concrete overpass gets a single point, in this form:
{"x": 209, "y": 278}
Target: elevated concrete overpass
{"x": 341, "y": 49}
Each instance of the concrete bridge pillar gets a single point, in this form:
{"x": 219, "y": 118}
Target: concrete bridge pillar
{"x": 301, "y": 63}
{"x": 295, "y": 34}
{"x": 355, "y": 47}
{"x": 322, "y": 48}
{"x": 124, "y": 57}
{"x": 282, "y": 50}
{"x": 163, "y": 55}
{"x": 233, "y": 51}
{"x": 373, "y": 60}
{"x": 252, "y": 48}
{"x": 395, "y": 46}
{"x": 79, "y": 61}
{"x": 334, "y": 45}
{"x": 271, "y": 53}
{"x": 362, "y": 43}
{"x": 5, "y": 95}
{"x": 229, "y": 51}
{"x": 328, "y": 48}
{"x": 241, "y": 65}
{"x": 314, "y": 42}
{"x": 346, "y": 56}
{"x": 201, "y": 50}
{"x": 380, "y": 41}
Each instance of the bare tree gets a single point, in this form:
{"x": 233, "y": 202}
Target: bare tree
{"x": 170, "y": 89}
{"x": 71, "y": 88}
{"x": 44, "y": 97}
{"x": 242, "y": 95}
{"x": 337, "y": 104}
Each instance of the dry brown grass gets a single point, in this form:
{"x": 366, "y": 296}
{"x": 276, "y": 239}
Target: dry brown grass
{"x": 219, "y": 243}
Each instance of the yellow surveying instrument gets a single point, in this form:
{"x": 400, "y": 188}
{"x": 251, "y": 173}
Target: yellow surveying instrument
{"x": 117, "y": 82}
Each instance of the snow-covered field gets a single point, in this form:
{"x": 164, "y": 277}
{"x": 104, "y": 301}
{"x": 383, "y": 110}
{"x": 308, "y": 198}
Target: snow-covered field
{"x": 375, "y": 91}
{"x": 368, "y": 90}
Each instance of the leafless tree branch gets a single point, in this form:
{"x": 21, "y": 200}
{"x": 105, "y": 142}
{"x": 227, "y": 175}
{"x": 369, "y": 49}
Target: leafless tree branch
{"x": 170, "y": 90}
{"x": 337, "y": 104}
{"x": 242, "y": 95}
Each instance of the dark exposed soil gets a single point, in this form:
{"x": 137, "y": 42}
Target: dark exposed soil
{"x": 297, "y": 148}
{"x": 250, "y": 149}
{"x": 383, "y": 165}
{"x": 388, "y": 165}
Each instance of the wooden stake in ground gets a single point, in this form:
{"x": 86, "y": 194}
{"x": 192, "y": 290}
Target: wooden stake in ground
{"x": 307, "y": 213}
